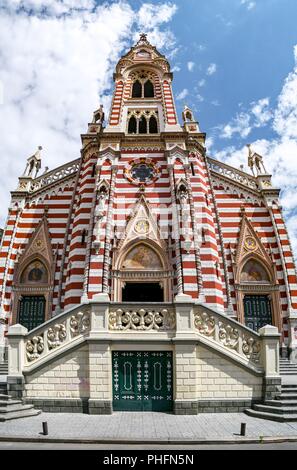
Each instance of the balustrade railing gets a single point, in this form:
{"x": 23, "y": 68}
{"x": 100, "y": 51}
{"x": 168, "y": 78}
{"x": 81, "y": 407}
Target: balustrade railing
{"x": 228, "y": 334}
{"x": 233, "y": 174}
{"x": 54, "y": 175}
{"x": 142, "y": 319}
{"x": 106, "y": 320}
{"x": 56, "y": 333}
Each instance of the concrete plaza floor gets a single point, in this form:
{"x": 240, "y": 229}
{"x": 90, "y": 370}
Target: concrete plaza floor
{"x": 146, "y": 427}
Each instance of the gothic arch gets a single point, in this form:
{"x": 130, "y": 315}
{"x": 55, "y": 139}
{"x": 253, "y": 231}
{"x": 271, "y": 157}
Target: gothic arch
{"x": 141, "y": 261}
{"x": 34, "y": 274}
{"x": 255, "y": 279}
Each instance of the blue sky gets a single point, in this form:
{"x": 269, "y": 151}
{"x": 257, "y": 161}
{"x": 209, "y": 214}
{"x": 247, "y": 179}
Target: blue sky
{"x": 234, "y": 63}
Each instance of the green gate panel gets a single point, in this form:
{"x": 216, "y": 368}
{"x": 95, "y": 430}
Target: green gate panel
{"x": 142, "y": 381}
{"x": 257, "y": 311}
{"x": 31, "y": 311}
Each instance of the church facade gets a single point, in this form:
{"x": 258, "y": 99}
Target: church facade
{"x": 143, "y": 275}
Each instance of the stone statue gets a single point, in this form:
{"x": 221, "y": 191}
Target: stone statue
{"x": 33, "y": 163}
{"x": 255, "y": 161}
{"x": 98, "y": 116}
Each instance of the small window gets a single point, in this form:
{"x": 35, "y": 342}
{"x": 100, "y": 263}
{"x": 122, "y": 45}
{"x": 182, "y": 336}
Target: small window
{"x": 137, "y": 89}
{"x": 153, "y": 126}
{"x": 148, "y": 89}
{"x": 132, "y": 127}
{"x": 142, "y": 125}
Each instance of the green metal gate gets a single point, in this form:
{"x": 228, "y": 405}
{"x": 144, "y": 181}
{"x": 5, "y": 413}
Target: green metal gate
{"x": 257, "y": 311}
{"x": 31, "y": 311}
{"x": 142, "y": 381}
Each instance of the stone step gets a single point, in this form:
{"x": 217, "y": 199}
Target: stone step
{"x": 3, "y": 388}
{"x": 12, "y": 407}
{"x": 25, "y": 413}
{"x": 277, "y": 410}
{"x": 288, "y": 396}
{"x": 5, "y": 396}
{"x": 271, "y": 416}
{"x": 282, "y": 402}
{"x": 289, "y": 372}
{"x": 289, "y": 387}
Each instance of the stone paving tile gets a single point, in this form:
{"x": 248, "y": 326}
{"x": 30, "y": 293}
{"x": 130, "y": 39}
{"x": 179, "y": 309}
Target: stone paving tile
{"x": 145, "y": 425}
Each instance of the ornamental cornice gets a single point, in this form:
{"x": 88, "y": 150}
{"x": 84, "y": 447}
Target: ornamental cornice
{"x": 256, "y": 287}
{"x": 141, "y": 274}
{"x": 236, "y": 188}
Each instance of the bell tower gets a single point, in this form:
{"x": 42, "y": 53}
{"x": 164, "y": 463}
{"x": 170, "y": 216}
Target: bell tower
{"x": 143, "y": 101}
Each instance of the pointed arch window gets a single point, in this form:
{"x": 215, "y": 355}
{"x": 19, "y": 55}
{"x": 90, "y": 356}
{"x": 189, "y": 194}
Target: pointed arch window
{"x": 153, "y": 125}
{"x": 132, "y": 127}
{"x": 142, "y": 125}
{"x": 137, "y": 89}
{"x": 148, "y": 89}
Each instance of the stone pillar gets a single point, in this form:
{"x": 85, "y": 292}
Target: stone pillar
{"x": 100, "y": 363}
{"x": 292, "y": 347}
{"x": 270, "y": 361}
{"x": 185, "y": 360}
{"x": 2, "y": 339}
{"x": 16, "y": 359}
{"x": 184, "y": 316}
{"x": 99, "y": 316}
{"x": 100, "y": 366}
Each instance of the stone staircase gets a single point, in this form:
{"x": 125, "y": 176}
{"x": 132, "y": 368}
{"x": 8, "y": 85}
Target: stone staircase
{"x": 287, "y": 368}
{"x": 3, "y": 377}
{"x": 284, "y": 408}
{"x": 14, "y": 409}
{"x": 4, "y": 368}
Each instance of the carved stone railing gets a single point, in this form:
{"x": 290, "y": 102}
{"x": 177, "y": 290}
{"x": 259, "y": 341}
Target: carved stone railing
{"x": 233, "y": 174}
{"x": 141, "y": 319}
{"x": 55, "y": 334}
{"x": 55, "y": 175}
{"x": 229, "y": 335}
{"x": 180, "y": 321}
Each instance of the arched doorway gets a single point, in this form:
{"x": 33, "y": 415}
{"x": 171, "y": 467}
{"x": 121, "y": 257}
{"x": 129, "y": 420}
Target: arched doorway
{"x": 142, "y": 275}
{"x": 258, "y": 295}
{"x": 31, "y": 294}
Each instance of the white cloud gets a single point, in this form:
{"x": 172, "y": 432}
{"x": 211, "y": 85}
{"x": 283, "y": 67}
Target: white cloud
{"x": 176, "y": 68}
{"x": 240, "y": 124}
{"x": 182, "y": 94}
{"x": 56, "y": 62}
{"x": 279, "y": 153}
{"x": 249, "y": 4}
{"x": 47, "y": 7}
{"x": 258, "y": 115}
{"x": 150, "y": 16}
{"x": 191, "y": 66}
{"x": 202, "y": 82}
{"x": 261, "y": 112}
{"x": 211, "y": 69}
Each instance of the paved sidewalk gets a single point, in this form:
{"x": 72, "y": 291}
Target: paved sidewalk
{"x": 146, "y": 427}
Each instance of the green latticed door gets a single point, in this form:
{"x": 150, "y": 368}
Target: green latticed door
{"x": 257, "y": 311}
{"x": 142, "y": 381}
{"x": 31, "y": 311}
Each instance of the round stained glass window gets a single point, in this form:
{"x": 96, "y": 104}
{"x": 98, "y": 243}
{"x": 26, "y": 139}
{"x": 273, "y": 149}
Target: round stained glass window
{"x": 142, "y": 173}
